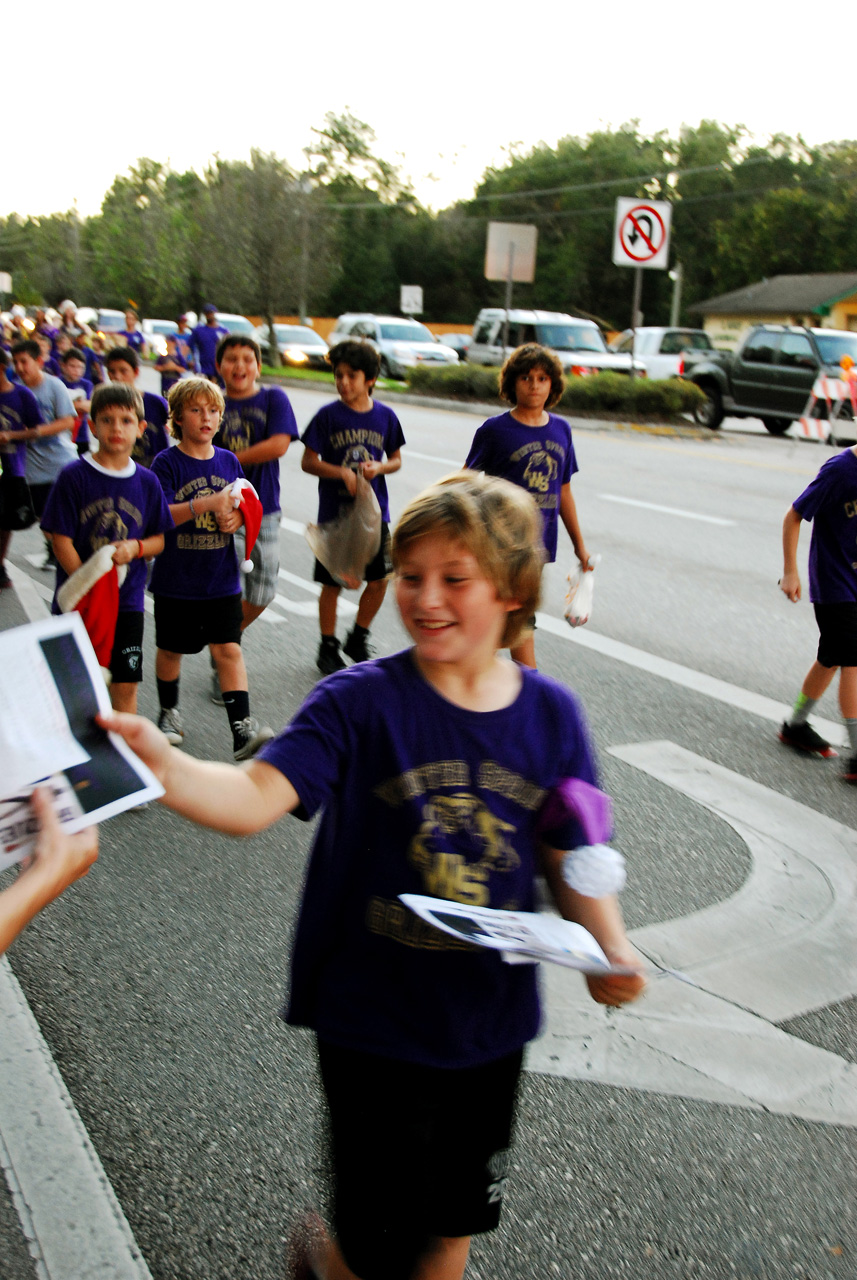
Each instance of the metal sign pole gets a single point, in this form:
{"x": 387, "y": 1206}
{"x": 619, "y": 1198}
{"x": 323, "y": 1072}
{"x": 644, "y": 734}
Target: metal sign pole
{"x": 509, "y": 271}
{"x": 635, "y": 313}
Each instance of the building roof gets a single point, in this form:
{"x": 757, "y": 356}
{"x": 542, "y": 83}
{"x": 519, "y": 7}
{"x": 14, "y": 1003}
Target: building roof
{"x": 790, "y": 294}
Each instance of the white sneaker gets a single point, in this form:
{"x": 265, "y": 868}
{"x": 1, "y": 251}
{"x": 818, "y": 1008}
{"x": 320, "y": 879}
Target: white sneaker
{"x": 251, "y": 737}
{"x": 170, "y": 725}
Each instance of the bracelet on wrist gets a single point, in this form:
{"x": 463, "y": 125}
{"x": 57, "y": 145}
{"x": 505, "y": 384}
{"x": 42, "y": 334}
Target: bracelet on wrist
{"x": 139, "y": 542}
{"x": 190, "y": 504}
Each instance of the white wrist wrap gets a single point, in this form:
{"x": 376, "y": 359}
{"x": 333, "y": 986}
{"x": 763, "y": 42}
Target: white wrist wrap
{"x": 595, "y": 870}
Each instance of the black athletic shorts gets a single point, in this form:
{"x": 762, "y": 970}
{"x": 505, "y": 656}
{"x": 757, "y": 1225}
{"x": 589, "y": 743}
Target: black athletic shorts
{"x": 39, "y": 494}
{"x": 837, "y": 634}
{"x": 126, "y": 660}
{"x": 380, "y": 567}
{"x": 416, "y": 1152}
{"x": 187, "y": 626}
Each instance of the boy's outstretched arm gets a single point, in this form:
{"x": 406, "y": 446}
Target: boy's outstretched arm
{"x": 789, "y": 583}
{"x": 603, "y": 918}
{"x": 568, "y": 515}
{"x": 238, "y": 800}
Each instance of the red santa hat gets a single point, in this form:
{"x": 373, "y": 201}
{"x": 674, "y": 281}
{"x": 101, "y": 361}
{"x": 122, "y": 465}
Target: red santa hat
{"x": 93, "y": 591}
{"x": 245, "y": 497}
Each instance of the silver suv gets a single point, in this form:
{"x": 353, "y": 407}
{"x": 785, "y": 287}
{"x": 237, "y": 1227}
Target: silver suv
{"x": 578, "y": 343}
{"x": 402, "y": 343}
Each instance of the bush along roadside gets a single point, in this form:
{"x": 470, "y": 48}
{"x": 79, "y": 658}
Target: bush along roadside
{"x": 600, "y": 394}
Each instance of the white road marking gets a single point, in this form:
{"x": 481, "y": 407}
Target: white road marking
{"x": 783, "y": 945}
{"x": 292, "y": 526}
{"x": 457, "y": 463}
{"x": 304, "y": 608}
{"x": 670, "y": 511}
{"x": 72, "y": 1222}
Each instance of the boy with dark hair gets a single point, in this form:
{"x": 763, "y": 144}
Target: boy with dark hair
{"x": 123, "y": 365}
{"x": 352, "y": 435}
{"x": 830, "y": 502}
{"x": 20, "y": 417}
{"x": 432, "y": 769}
{"x": 258, "y": 426}
{"x": 104, "y": 497}
{"x": 79, "y": 387}
{"x": 203, "y": 341}
{"x": 195, "y": 581}
{"x": 172, "y": 365}
{"x": 533, "y": 449}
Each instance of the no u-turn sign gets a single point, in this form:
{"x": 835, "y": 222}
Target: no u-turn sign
{"x": 641, "y": 236}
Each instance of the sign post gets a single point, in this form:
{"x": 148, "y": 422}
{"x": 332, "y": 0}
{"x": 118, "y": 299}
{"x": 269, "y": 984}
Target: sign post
{"x": 641, "y": 239}
{"x": 510, "y": 254}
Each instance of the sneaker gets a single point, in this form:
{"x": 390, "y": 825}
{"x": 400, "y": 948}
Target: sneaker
{"x": 49, "y": 563}
{"x": 850, "y": 771}
{"x": 170, "y": 725}
{"x": 5, "y": 580}
{"x": 216, "y": 694}
{"x": 329, "y": 658}
{"x": 804, "y": 738}
{"x": 250, "y": 737}
{"x": 355, "y": 646}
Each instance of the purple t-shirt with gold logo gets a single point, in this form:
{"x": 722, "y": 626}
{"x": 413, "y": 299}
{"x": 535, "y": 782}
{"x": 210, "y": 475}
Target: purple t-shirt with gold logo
{"x": 345, "y": 438}
{"x": 198, "y": 562}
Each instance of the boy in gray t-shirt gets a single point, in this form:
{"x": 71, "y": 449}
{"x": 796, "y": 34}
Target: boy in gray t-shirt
{"x": 50, "y": 446}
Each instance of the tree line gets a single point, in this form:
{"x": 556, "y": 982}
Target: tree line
{"x": 343, "y": 234}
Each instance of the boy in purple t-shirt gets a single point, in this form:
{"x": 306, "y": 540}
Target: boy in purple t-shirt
{"x": 431, "y": 769}
{"x": 19, "y": 412}
{"x": 73, "y": 375}
{"x": 830, "y": 502}
{"x": 123, "y": 365}
{"x": 533, "y": 449}
{"x": 258, "y": 426}
{"x": 352, "y": 434}
{"x": 195, "y": 581}
{"x": 103, "y": 498}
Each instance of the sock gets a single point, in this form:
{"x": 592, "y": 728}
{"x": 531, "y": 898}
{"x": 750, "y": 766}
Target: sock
{"x": 168, "y": 694}
{"x": 237, "y": 705}
{"x": 802, "y": 708}
{"x": 851, "y": 726}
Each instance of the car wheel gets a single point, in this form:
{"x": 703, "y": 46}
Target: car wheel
{"x": 710, "y": 412}
{"x": 777, "y": 426}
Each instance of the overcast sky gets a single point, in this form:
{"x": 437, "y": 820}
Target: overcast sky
{"x": 446, "y": 86}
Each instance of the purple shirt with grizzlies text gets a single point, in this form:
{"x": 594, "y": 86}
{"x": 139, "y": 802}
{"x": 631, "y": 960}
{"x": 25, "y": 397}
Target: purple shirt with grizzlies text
{"x": 198, "y": 562}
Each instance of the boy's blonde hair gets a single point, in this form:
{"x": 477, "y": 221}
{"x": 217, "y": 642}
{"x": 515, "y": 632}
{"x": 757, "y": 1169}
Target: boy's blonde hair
{"x": 181, "y": 393}
{"x": 499, "y": 524}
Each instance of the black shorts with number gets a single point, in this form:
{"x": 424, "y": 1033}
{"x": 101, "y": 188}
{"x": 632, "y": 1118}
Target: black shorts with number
{"x": 380, "y": 567}
{"x": 126, "y": 660}
{"x": 187, "y": 626}
{"x": 416, "y": 1152}
{"x": 837, "y": 634}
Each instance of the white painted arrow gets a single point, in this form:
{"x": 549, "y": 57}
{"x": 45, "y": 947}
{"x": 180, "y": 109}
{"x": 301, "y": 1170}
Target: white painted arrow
{"x": 784, "y": 944}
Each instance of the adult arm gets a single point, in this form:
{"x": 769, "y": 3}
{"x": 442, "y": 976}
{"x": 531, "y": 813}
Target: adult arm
{"x": 603, "y": 919}
{"x": 789, "y": 583}
{"x": 237, "y": 800}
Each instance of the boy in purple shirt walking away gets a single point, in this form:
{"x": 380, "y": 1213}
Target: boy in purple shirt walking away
{"x": 830, "y": 502}
{"x": 352, "y": 434}
{"x": 203, "y": 341}
{"x": 533, "y": 449}
{"x": 195, "y": 580}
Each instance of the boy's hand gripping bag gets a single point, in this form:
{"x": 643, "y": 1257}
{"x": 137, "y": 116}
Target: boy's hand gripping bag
{"x": 578, "y": 597}
{"x": 347, "y": 544}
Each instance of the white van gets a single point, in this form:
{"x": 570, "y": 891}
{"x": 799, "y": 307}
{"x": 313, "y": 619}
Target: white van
{"x": 579, "y": 343}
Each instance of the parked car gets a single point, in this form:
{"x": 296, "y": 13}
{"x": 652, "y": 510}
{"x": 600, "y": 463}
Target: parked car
{"x": 108, "y": 323}
{"x": 771, "y": 376}
{"x": 298, "y": 345}
{"x": 235, "y": 324}
{"x": 155, "y": 333}
{"x": 661, "y": 351}
{"x": 402, "y": 343}
{"x": 579, "y": 343}
{"x": 460, "y": 343}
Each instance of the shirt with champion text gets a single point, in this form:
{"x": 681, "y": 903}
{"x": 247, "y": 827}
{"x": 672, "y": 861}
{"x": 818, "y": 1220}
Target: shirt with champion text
{"x": 345, "y": 438}
{"x": 830, "y": 502}
{"x": 539, "y": 459}
{"x": 418, "y": 795}
{"x": 250, "y": 421}
{"x": 198, "y": 562}
{"x": 94, "y": 506}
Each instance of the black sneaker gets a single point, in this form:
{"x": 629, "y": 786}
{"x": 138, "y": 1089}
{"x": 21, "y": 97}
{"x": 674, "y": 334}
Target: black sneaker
{"x": 849, "y": 773}
{"x": 355, "y": 646}
{"x": 329, "y": 658}
{"x": 5, "y": 580}
{"x": 50, "y": 561}
{"x": 248, "y": 737}
{"x": 804, "y": 738}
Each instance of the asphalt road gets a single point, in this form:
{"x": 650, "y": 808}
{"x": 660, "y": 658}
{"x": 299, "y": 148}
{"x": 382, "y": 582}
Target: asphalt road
{"x": 156, "y": 980}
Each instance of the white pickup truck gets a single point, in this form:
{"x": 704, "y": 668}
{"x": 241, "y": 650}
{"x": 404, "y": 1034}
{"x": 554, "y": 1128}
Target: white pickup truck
{"x": 660, "y": 350}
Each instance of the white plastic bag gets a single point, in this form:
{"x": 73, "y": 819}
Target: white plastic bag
{"x": 347, "y": 544}
{"x": 578, "y": 597}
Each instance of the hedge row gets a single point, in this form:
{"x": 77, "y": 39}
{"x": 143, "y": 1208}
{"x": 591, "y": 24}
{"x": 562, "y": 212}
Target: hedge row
{"x": 612, "y": 393}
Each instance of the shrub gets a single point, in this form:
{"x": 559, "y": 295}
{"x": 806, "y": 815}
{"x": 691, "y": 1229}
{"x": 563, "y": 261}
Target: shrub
{"x": 458, "y": 381}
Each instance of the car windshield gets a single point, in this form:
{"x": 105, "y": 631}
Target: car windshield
{"x": 406, "y": 333}
{"x": 833, "y": 346}
{"x": 236, "y": 324}
{"x": 163, "y": 326}
{"x": 297, "y": 333}
{"x": 570, "y": 337}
